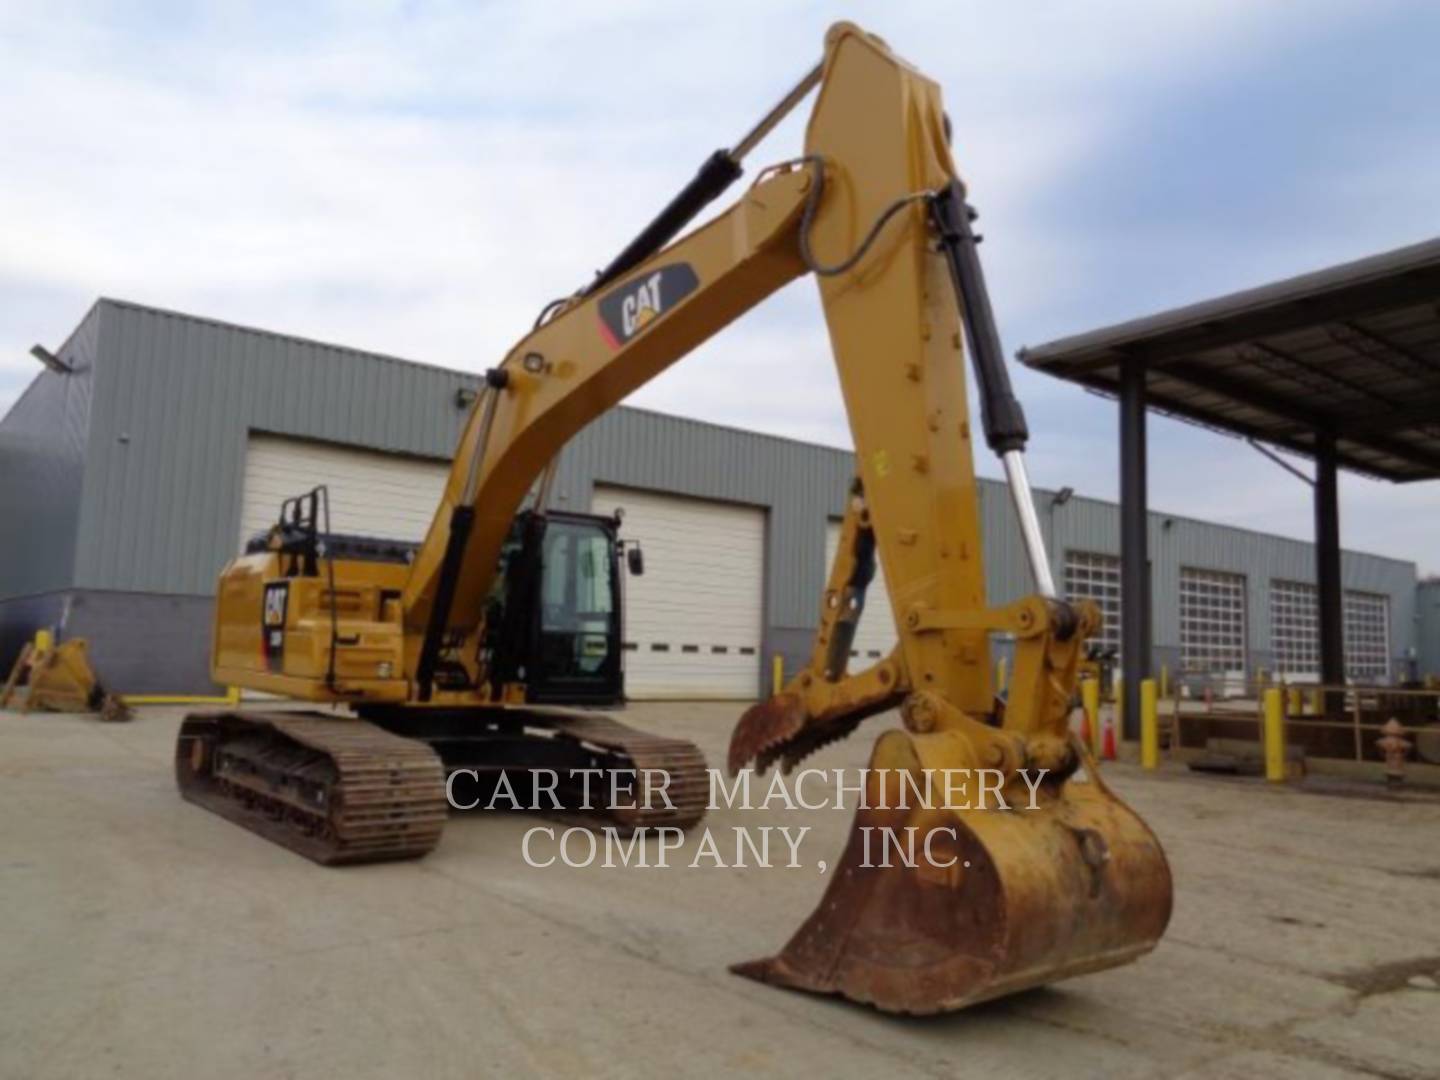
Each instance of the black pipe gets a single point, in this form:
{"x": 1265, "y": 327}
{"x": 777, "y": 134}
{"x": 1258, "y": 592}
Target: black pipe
{"x": 1135, "y": 640}
{"x": 1328, "y": 582}
{"x": 852, "y": 604}
{"x": 1000, "y": 411}
{"x": 462, "y": 518}
{"x": 718, "y": 173}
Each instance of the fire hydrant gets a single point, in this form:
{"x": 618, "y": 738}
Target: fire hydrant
{"x": 1393, "y": 744}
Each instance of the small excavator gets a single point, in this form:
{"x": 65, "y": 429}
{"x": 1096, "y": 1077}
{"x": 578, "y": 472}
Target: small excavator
{"x": 489, "y": 645}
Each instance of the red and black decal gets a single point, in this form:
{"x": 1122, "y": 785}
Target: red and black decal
{"x": 629, "y": 308}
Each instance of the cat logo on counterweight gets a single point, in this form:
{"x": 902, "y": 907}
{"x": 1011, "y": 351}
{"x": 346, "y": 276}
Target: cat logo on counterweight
{"x": 273, "y": 612}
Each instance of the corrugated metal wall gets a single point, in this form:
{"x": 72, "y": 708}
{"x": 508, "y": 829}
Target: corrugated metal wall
{"x": 42, "y": 470}
{"x": 1427, "y": 601}
{"x": 1178, "y": 542}
{"x": 175, "y": 398}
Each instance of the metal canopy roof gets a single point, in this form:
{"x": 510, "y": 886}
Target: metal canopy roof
{"x": 1354, "y": 349}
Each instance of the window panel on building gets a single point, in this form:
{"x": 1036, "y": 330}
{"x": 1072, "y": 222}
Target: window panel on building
{"x": 1295, "y": 632}
{"x": 1092, "y": 576}
{"x": 1294, "y": 629}
{"x": 1212, "y": 621}
{"x": 1367, "y": 637}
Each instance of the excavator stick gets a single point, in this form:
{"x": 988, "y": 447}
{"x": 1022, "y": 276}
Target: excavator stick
{"x": 933, "y": 909}
{"x": 988, "y": 856}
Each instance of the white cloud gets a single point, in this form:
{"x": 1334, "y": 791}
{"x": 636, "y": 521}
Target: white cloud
{"x": 496, "y": 151}
{"x": 419, "y": 180}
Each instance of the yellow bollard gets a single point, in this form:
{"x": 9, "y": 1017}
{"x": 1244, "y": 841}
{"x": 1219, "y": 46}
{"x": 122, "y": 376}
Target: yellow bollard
{"x": 1090, "y": 699}
{"x": 230, "y": 697}
{"x": 1164, "y": 680}
{"x": 1317, "y": 703}
{"x": 1001, "y": 673}
{"x": 1274, "y": 736}
{"x": 777, "y": 673}
{"x": 1293, "y": 706}
{"x": 1149, "y": 725}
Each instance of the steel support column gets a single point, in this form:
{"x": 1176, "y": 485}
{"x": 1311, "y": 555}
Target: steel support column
{"x": 1134, "y": 545}
{"x": 1327, "y": 561}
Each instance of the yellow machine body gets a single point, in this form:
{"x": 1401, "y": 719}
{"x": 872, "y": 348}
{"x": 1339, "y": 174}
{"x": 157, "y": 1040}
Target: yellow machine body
{"x": 1076, "y": 884}
{"x": 369, "y": 646}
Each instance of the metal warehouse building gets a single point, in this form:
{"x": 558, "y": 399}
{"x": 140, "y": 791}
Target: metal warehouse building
{"x": 128, "y": 480}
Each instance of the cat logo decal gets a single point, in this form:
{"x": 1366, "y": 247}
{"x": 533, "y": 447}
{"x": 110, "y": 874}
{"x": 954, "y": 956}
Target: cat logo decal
{"x": 272, "y": 623}
{"x": 631, "y": 307}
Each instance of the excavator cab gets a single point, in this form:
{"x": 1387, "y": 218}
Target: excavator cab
{"x": 554, "y": 613}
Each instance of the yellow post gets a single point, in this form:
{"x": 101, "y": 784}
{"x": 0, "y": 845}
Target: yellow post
{"x": 1149, "y": 725}
{"x": 1090, "y": 699}
{"x": 777, "y": 673}
{"x": 1293, "y": 706}
{"x": 1274, "y": 736}
{"x": 1117, "y": 690}
{"x": 1001, "y": 671}
{"x": 1316, "y": 703}
{"x": 1164, "y": 680}
{"x": 230, "y": 697}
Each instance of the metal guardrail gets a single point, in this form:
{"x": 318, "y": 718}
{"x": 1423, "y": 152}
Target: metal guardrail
{"x": 1358, "y": 717}
{"x": 1353, "y": 724}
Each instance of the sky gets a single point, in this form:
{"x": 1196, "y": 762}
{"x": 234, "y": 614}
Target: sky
{"x": 419, "y": 178}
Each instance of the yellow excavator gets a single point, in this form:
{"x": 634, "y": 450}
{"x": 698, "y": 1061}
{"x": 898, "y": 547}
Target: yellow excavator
{"x": 471, "y": 652}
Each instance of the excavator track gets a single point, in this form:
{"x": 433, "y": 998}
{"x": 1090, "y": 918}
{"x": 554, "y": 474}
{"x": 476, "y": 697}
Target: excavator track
{"x": 683, "y": 764}
{"x": 341, "y": 790}
{"x": 336, "y": 790}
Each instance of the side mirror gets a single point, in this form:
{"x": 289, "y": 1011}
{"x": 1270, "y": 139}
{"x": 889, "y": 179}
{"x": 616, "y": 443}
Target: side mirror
{"x": 635, "y": 559}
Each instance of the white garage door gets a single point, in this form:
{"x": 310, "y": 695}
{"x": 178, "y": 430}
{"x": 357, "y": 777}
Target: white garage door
{"x": 876, "y": 635}
{"x": 371, "y": 493}
{"x": 693, "y": 619}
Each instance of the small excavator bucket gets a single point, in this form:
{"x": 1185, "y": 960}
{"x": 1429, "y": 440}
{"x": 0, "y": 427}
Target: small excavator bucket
{"x": 933, "y": 909}
{"x": 58, "y": 677}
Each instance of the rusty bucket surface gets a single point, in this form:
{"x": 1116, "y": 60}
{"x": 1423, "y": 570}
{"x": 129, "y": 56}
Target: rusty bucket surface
{"x": 1005, "y": 899}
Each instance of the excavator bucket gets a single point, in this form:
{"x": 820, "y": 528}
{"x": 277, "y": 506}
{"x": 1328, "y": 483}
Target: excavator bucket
{"x": 939, "y": 905}
{"x": 59, "y": 678}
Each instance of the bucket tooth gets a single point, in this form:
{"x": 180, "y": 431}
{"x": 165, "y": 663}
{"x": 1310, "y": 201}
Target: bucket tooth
{"x": 780, "y": 729}
{"x": 764, "y": 730}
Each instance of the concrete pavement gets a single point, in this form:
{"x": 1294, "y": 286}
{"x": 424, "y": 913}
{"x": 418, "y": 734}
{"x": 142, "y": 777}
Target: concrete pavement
{"x": 145, "y": 937}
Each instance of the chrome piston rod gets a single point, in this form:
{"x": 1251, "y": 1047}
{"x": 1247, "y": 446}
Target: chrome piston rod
{"x": 1024, "y": 500}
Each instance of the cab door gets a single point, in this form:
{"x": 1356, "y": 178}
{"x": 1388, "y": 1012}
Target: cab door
{"x": 576, "y": 633}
